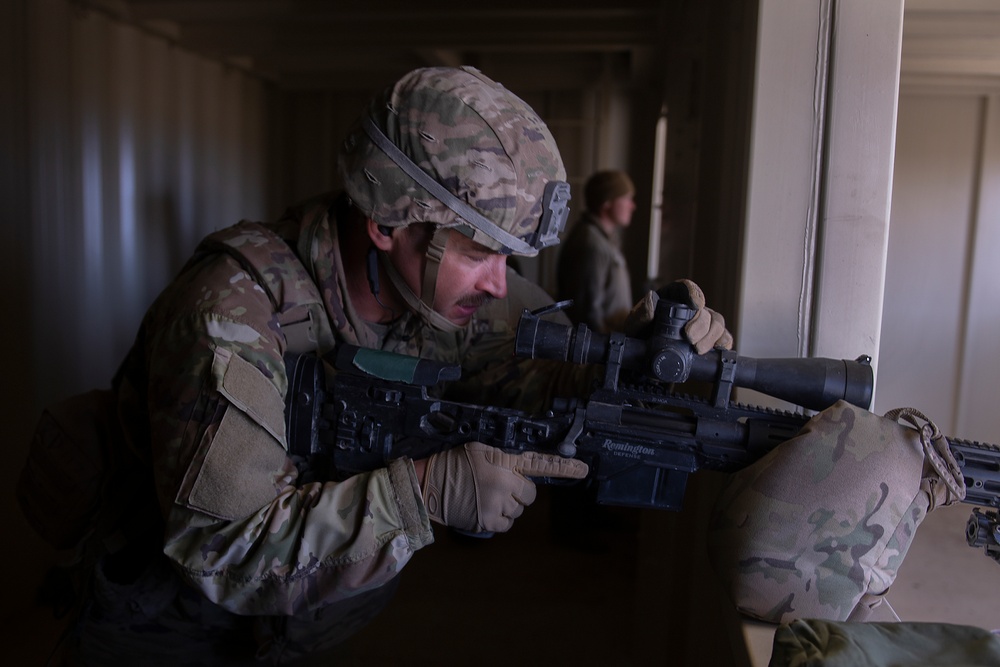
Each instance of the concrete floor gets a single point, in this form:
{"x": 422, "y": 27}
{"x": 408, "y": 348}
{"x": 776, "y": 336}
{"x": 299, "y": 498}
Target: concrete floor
{"x": 942, "y": 580}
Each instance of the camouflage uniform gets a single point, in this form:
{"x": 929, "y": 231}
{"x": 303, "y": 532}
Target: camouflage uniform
{"x": 237, "y": 526}
{"x": 239, "y": 558}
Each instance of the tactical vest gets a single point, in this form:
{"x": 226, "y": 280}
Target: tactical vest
{"x": 296, "y": 299}
{"x": 65, "y": 488}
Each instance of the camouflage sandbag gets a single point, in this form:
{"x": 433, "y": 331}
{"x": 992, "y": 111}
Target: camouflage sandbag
{"x": 819, "y": 526}
{"x": 818, "y": 643}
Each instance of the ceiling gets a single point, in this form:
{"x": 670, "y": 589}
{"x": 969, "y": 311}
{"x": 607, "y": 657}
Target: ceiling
{"x": 341, "y": 43}
{"x": 301, "y": 44}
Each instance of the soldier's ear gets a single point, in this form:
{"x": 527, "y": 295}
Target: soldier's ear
{"x": 380, "y": 235}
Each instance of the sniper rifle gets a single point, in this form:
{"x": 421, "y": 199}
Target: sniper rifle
{"x": 639, "y": 437}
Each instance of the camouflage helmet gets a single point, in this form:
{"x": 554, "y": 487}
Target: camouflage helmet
{"x": 452, "y": 147}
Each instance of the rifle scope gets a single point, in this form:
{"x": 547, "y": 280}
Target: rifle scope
{"x": 814, "y": 383}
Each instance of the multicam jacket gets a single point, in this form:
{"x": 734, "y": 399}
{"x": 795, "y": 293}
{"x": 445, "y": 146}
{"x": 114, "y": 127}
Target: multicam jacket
{"x": 204, "y": 390}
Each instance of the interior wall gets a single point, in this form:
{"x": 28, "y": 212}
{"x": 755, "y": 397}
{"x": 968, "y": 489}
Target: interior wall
{"x": 119, "y": 153}
{"x": 575, "y": 116}
{"x": 726, "y": 107}
{"x": 942, "y": 292}
{"x": 135, "y": 151}
{"x": 820, "y": 178}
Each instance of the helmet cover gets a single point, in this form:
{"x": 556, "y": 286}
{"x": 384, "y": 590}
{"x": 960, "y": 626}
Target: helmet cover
{"x": 489, "y": 150}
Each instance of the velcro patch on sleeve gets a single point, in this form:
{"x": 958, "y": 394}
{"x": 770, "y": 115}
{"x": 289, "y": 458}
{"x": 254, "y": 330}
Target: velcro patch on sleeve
{"x": 247, "y": 388}
{"x": 236, "y": 478}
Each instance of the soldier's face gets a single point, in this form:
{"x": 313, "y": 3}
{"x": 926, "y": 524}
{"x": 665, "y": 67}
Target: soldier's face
{"x": 470, "y": 274}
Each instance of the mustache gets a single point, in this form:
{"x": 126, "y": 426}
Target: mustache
{"x": 475, "y": 300}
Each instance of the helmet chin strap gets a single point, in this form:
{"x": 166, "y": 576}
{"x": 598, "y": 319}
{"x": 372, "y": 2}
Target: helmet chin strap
{"x": 424, "y": 304}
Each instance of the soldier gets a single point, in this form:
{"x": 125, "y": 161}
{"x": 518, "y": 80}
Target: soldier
{"x": 232, "y": 556}
{"x": 592, "y": 269}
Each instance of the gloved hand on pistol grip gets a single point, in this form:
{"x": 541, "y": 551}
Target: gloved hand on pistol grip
{"x": 482, "y": 489}
{"x": 705, "y": 330}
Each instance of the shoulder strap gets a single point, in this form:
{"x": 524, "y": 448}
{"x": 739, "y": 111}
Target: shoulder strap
{"x": 276, "y": 267}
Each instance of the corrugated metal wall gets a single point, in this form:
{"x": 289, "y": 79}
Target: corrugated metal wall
{"x": 133, "y": 151}
{"x": 119, "y": 151}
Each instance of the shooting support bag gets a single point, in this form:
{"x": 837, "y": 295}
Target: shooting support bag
{"x": 840, "y": 644}
{"x": 819, "y": 526}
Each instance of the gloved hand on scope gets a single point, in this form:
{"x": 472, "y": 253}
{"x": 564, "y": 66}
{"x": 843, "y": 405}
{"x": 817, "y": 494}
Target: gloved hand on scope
{"x": 706, "y": 330}
{"x": 482, "y": 489}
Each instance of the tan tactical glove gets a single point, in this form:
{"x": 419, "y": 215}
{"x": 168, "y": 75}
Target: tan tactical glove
{"x": 706, "y": 330}
{"x": 482, "y": 489}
